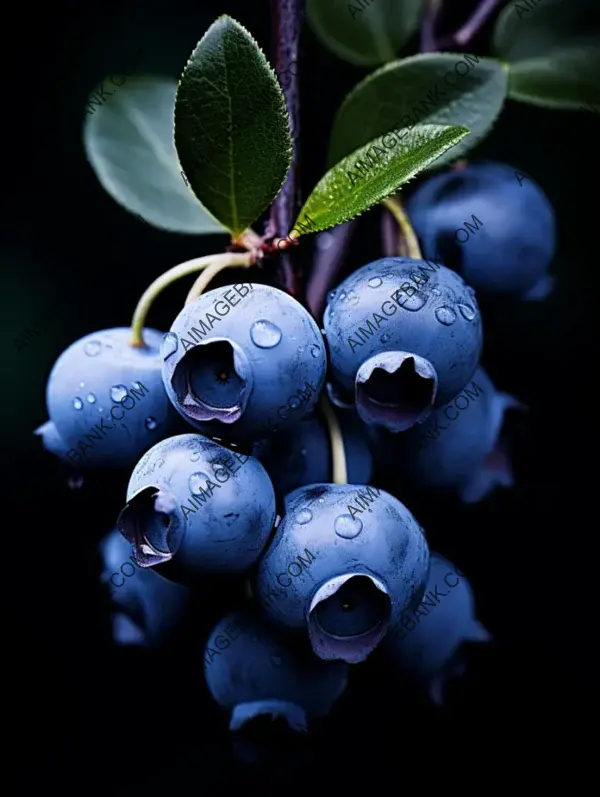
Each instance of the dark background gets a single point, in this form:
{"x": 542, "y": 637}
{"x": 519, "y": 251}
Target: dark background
{"x": 88, "y": 715}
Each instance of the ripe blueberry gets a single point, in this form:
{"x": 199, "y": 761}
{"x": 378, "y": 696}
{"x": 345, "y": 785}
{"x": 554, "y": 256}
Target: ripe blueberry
{"x": 243, "y": 361}
{"x": 347, "y": 560}
{"x": 404, "y": 335}
{"x": 510, "y": 252}
{"x": 199, "y": 504}
{"x": 106, "y": 400}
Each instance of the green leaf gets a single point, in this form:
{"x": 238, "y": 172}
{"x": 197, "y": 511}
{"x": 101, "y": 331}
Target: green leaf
{"x": 361, "y": 180}
{"x": 232, "y": 129}
{"x": 128, "y": 139}
{"x": 365, "y": 34}
{"x": 564, "y": 79}
{"x": 523, "y": 32}
{"x": 421, "y": 90}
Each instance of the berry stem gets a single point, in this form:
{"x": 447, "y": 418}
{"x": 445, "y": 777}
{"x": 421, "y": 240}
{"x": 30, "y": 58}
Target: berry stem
{"x": 338, "y": 455}
{"x": 397, "y": 210}
{"x": 170, "y": 276}
{"x": 244, "y": 260}
{"x": 472, "y": 25}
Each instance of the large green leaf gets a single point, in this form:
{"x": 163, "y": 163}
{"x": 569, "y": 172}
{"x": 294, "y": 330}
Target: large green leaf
{"x": 361, "y": 33}
{"x": 526, "y": 31}
{"x": 423, "y": 89}
{"x": 563, "y": 79}
{"x": 372, "y": 173}
{"x": 232, "y": 129}
{"x": 128, "y": 139}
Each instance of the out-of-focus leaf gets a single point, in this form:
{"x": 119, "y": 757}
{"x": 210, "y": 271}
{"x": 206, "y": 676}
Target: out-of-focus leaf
{"x": 372, "y": 173}
{"x": 232, "y": 129}
{"x": 362, "y": 33}
{"x": 128, "y": 139}
{"x": 437, "y": 88}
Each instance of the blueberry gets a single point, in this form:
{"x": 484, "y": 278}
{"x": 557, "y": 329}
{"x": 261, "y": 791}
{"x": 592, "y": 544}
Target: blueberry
{"x": 426, "y": 644}
{"x": 405, "y": 336}
{"x": 252, "y": 671}
{"x": 303, "y": 455}
{"x": 347, "y": 560}
{"x": 508, "y": 248}
{"x": 106, "y": 401}
{"x": 147, "y": 606}
{"x": 244, "y": 361}
{"x": 463, "y": 446}
{"x": 195, "y": 503}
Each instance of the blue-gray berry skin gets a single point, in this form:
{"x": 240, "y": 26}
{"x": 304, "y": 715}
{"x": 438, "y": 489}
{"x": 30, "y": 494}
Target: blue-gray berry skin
{"x": 344, "y": 571}
{"x": 252, "y": 671}
{"x": 508, "y": 247}
{"x": 463, "y": 446}
{"x": 426, "y": 643}
{"x": 302, "y": 456}
{"x": 89, "y": 427}
{"x": 234, "y": 359}
{"x": 434, "y": 316}
{"x": 146, "y": 607}
{"x": 196, "y": 507}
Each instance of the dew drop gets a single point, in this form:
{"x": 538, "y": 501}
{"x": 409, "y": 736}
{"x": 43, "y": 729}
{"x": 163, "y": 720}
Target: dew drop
{"x": 436, "y": 292}
{"x": 197, "y": 482}
{"x": 195, "y": 456}
{"x": 118, "y": 392}
{"x": 304, "y": 516}
{"x": 342, "y": 296}
{"x": 150, "y": 424}
{"x": 466, "y": 311}
{"x": 385, "y": 337}
{"x": 265, "y": 334}
{"x": 170, "y": 345}
{"x": 82, "y": 384}
{"x": 348, "y": 527}
{"x": 331, "y": 296}
{"x": 445, "y": 315}
{"x": 315, "y": 350}
{"x": 413, "y": 303}
{"x": 77, "y": 403}
{"x": 92, "y": 348}
{"x": 375, "y": 282}
{"x": 91, "y": 398}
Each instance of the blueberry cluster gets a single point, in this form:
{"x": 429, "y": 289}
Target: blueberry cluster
{"x": 267, "y": 485}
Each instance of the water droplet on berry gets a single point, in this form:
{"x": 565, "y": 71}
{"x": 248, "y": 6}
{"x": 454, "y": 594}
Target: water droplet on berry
{"x": 265, "y": 334}
{"x": 197, "y": 483}
{"x": 150, "y": 424}
{"x": 331, "y": 296}
{"x": 82, "y": 384}
{"x": 77, "y": 403}
{"x": 436, "y": 292}
{"x": 385, "y": 337}
{"x": 91, "y": 398}
{"x": 348, "y": 527}
{"x": 304, "y": 516}
{"x": 117, "y": 392}
{"x": 412, "y": 303}
{"x": 195, "y": 456}
{"x": 170, "y": 345}
{"x": 445, "y": 315}
{"x": 315, "y": 350}
{"x": 466, "y": 311}
{"x": 92, "y": 348}
{"x": 375, "y": 282}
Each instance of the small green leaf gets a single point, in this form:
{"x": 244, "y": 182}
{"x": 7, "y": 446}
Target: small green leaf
{"x": 361, "y": 180}
{"x": 436, "y": 88}
{"x": 365, "y": 34}
{"x": 525, "y": 31}
{"x": 128, "y": 139}
{"x": 232, "y": 129}
{"x": 563, "y": 79}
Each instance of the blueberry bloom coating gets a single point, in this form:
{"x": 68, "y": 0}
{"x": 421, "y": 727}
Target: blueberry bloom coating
{"x": 508, "y": 248}
{"x": 426, "y": 643}
{"x": 244, "y": 361}
{"x": 303, "y": 455}
{"x": 346, "y": 560}
{"x": 198, "y": 506}
{"x": 405, "y": 336}
{"x": 106, "y": 400}
{"x": 464, "y": 446}
{"x": 147, "y": 606}
{"x": 252, "y": 671}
